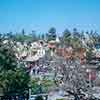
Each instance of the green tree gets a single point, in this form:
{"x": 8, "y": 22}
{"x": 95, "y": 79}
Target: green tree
{"x": 14, "y": 82}
{"x": 52, "y": 30}
{"x": 12, "y": 79}
{"x": 39, "y": 98}
{"x": 76, "y": 43}
{"x": 23, "y": 32}
{"x": 7, "y": 57}
{"x": 92, "y": 39}
{"x": 51, "y": 35}
{"x": 23, "y": 38}
{"x": 76, "y": 34}
{"x": 94, "y": 36}
{"x": 89, "y": 54}
{"x": 82, "y": 36}
{"x": 67, "y": 37}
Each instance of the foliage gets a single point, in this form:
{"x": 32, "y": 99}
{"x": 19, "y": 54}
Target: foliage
{"x": 12, "y": 79}
{"x": 66, "y": 37}
{"x": 73, "y": 39}
{"x": 39, "y": 98}
{"x": 7, "y": 57}
{"x": 89, "y": 54}
{"x": 45, "y": 85}
{"x": 67, "y": 33}
{"x": 34, "y": 86}
{"x": 23, "y": 32}
{"x": 23, "y": 38}
{"x": 76, "y": 34}
{"x": 51, "y": 35}
{"x": 14, "y": 82}
{"x": 76, "y": 43}
{"x": 52, "y": 30}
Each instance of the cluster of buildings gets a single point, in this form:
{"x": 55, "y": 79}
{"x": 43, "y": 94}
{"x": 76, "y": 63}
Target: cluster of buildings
{"x": 35, "y": 57}
{"x": 34, "y": 54}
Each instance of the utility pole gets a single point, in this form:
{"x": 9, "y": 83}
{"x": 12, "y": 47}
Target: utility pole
{"x": 29, "y": 92}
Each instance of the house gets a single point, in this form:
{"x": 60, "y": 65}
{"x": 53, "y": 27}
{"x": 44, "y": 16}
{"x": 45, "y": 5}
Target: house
{"x": 69, "y": 53}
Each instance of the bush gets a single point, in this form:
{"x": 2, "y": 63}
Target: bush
{"x": 39, "y": 98}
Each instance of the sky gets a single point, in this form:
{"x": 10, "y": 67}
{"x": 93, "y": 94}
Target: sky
{"x": 41, "y": 15}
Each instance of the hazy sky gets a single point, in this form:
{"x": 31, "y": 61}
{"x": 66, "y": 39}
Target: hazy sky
{"x": 40, "y": 15}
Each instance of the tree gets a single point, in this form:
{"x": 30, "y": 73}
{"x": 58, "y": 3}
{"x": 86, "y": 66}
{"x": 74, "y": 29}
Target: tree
{"x": 89, "y": 54}
{"x": 39, "y": 98}
{"x": 23, "y": 38}
{"x": 67, "y": 37}
{"x": 9, "y": 35}
{"x": 76, "y": 43}
{"x": 72, "y": 39}
{"x": 76, "y": 33}
{"x": 13, "y": 80}
{"x": 7, "y": 57}
{"x": 75, "y": 40}
{"x": 52, "y": 30}
{"x": 94, "y": 36}
{"x": 91, "y": 41}
{"x": 82, "y": 36}
{"x": 23, "y": 32}
{"x": 51, "y": 35}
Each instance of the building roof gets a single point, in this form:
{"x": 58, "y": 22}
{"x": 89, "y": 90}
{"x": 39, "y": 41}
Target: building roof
{"x": 31, "y": 58}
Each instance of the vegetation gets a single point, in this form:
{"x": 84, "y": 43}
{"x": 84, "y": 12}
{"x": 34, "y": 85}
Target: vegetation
{"x": 43, "y": 87}
{"x": 39, "y": 98}
{"x": 89, "y": 54}
{"x": 13, "y": 80}
{"x": 69, "y": 38}
{"x": 51, "y": 35}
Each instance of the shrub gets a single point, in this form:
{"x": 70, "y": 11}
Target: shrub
{"x": 39, "y": 98}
